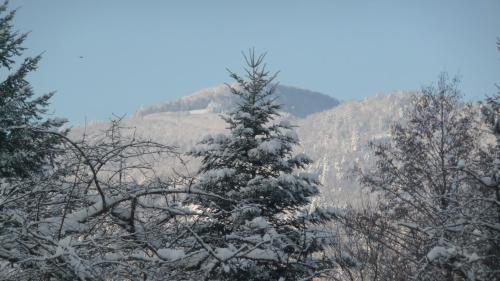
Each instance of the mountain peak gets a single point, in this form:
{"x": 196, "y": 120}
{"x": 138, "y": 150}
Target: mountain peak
{"x": 297, "y": 102}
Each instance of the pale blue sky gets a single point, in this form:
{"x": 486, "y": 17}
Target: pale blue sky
{"x": 141, "y": 52}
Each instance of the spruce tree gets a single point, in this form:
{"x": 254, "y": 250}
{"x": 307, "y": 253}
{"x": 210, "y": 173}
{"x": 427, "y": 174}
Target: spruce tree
{"x": 257, "y": 228}
{"x": 24, "y": 148}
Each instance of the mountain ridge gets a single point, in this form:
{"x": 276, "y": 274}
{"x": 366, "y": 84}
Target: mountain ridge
{"x": 217, "y": 99}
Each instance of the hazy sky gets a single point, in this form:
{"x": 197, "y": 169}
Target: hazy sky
{"x": 141, "y": 52}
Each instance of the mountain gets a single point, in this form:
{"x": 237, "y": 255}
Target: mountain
{"x": 337, "y": 140}
{"x": 218, "y": 99}
{"x": 334, "y": 134}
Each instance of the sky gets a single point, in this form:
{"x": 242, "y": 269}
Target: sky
{"x": 106, "y": 57}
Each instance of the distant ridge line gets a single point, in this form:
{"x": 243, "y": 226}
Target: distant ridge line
{"x": 296, "y": 101}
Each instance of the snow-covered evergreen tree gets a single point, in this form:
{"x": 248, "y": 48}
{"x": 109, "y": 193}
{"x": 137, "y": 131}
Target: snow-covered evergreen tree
{"x": 24, "y": 150}
{"x": 257, "y": 228}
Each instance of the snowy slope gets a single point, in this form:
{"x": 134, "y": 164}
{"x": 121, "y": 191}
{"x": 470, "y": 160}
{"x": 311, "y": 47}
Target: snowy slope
{"x": 337, "y": 140}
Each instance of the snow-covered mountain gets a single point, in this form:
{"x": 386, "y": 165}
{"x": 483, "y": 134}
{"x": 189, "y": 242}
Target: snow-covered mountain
{"x": 218, "y": 99}
{"x": 338, "y": 140}
{"x": 334, "y": 134}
